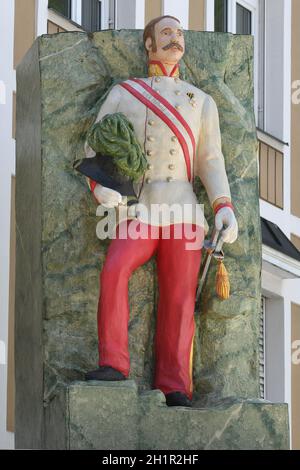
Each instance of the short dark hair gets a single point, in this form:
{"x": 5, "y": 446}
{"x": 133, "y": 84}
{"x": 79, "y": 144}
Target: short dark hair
{"x": 149, "y": 31}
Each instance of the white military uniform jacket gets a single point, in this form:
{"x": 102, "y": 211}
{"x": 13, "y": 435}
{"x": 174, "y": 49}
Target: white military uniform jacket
{"x": 166, "y": 180}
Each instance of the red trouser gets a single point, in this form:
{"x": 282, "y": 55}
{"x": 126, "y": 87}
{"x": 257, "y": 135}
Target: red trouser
{"x": 177, "y": 270}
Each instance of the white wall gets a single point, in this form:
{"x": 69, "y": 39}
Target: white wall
{"x": 210, "y": 15}
{"x": 274, "y": 92}
{"x": 130, "y": 14}
{"x": 42, "y": 17}
{"x": 179, "y": 9}
{"x": 7, "y": 156}
{"x": 139, "y": 14}
{"x": 125, "y": 14}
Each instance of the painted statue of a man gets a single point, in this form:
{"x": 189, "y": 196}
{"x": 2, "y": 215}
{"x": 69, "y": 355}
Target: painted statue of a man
{"x": 177, "y": 126}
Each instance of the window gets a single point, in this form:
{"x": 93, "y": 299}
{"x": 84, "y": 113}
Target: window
{"x": 246, "y": 17}
{"x": 243, "y": 20}
{"x": 221, "y": 16}
{"x": 243, "y": 17}
{"x": 91, "y": 15}
{"x": 61, "y": 6}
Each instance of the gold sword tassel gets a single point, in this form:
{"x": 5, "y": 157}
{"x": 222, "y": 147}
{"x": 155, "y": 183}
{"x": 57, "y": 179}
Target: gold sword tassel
{"x": 222, "y": 281}
{"x": 214, "y": 250}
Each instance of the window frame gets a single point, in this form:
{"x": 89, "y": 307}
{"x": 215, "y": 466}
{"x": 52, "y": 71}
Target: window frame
{"x": 253, "y": 7}
{"x": 76, "y": 15}
{"x": 105, "y": 9}
{"x": 76, "y": 11}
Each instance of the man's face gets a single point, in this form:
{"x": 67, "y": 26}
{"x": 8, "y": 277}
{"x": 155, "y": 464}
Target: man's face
{"x": 169, "y": 42}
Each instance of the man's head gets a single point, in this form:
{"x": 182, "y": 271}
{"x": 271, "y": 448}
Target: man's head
{"x": 164, "y": 39}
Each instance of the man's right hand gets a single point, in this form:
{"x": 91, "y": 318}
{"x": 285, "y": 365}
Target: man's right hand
{"x": 107, "y": 197}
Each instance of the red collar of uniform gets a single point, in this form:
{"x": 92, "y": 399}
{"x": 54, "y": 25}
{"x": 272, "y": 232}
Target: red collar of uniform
{"x": 156, "y": 68}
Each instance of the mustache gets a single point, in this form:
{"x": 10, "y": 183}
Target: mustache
{"x": 173, "y": 44}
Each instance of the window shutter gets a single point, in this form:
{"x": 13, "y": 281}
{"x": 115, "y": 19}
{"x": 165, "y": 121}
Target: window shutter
{"x": 91, "y": 15}
{"x": 243, "y": 20}
{"x": 221, "y": 16}
{"x": 262, "y": 347}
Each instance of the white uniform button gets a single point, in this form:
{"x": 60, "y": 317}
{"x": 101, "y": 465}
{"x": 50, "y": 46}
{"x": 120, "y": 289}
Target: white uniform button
{"x": 148, "y": 180}
{"x": 172, "y": 152}
{"x": 157, "y": 79}
{"x": 174, "y": 138}
{"x": 177, "y": 92}
{"x": 169, "y": 179}
{"x": 149, "y": 166}
{"x": 156, "y": 90}
{"x": 177, "y": 80}
{"x": 177, "y": 106}
{"x": 132, "y": 212}
{"x": 150, "y": 153}
{"x": 171, "y": 166}
{"x": 150, "y": 138}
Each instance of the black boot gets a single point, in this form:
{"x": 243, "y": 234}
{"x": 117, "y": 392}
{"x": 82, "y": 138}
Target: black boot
{"x": 178, "y": 399}
{"x": 105, "y": 373}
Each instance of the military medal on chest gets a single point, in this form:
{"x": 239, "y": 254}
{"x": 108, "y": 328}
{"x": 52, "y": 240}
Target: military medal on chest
{"x": 192, "y": 100}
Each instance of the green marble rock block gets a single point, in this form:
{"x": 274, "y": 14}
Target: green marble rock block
{"x": 59, "y": 257}
{"x": 104, "y": 416}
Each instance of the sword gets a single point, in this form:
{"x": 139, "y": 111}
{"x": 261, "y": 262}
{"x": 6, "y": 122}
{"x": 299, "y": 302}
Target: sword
{"x": 213, "y": 248}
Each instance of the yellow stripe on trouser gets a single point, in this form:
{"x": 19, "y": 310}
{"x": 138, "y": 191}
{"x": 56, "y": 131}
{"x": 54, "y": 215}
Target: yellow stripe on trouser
{"x": 191, "y": 365}
{"x": 88, "y": 182}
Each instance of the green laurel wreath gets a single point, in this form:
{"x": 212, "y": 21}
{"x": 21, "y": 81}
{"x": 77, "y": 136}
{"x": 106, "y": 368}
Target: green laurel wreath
{"x": 114, "y": 136}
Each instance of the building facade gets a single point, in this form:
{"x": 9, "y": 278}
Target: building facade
{"x": 273, "y": 23}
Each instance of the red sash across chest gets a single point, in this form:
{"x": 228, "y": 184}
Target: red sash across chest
{"x": 168, "y": 114}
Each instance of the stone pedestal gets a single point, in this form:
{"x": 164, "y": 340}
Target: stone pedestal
{"x": 59, "y": 259}
{"x": 114, "y": 416}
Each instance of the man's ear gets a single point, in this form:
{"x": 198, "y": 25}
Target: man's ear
{"x": 148, "y": 44}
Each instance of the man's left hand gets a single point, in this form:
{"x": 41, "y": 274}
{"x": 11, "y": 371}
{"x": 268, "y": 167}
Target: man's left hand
{"x": 225, "y": 217}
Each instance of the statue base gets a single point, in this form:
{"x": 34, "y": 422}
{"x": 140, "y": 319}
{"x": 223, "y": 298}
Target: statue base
{"x": 115, "y": 416}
